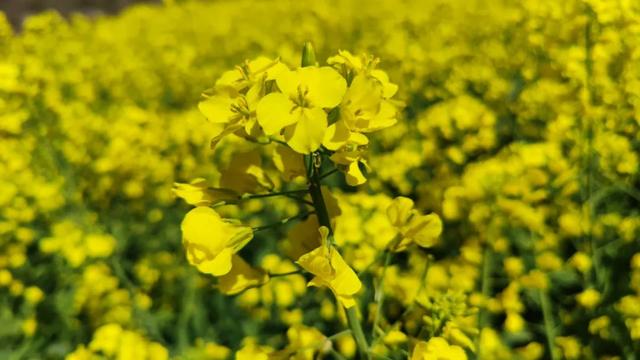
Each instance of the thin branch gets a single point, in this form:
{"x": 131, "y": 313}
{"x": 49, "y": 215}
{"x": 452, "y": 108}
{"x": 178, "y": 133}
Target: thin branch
{"x": 283, "y": 221}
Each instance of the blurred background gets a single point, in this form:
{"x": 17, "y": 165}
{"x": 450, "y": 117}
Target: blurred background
{"x": 16, "y": 10}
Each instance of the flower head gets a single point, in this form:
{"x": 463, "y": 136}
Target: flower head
{"x": 210, "y": 241}
{"x": 299, "y": 108}
{"x": 412, "y": 226}
{"x": 331, "y": 271}
{"x": 437, "y": 348}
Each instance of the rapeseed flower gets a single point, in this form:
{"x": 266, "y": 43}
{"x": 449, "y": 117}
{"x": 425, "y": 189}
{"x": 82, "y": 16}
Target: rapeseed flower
{"x": 331, "y": 271}
{"x": 211, "y": 241}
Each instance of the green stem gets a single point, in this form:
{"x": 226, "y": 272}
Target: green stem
{"x": 358, "y": 334}
{"x": 548, "y": 322}
{"x": 329, "y": 173}
{"x": 322, "y": 213}
{"x": 379, "y": 294}
{"x": 278, "y": 193}
{"x": 485, "y": 287}
{"x": 282, "y": 222}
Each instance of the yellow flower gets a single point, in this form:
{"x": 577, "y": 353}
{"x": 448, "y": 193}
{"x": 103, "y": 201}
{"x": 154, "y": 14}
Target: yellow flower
{"x": 245, "y": 174}
{"x": 395, "y": 337}
{"x": 241, "y": 277}
{"x": 350, "y": 157}
{"x": 412, "y": 226}
{"x": 252, "y": 351}
{"x": 299, "y": 108}
{"x": 33, "y": 295}
{"x": 198, "y": 193}
{"x": 331, "y": 271}
{"x": 580, "y": 261}
{"x": 304, "y": 343}
{"x": 29, "y": 326}
{"x": 589, "y": 298}
{"x": 437, "y": 348}
{"x": 236, "y": 95}
{"x": 211, "y": 241}
{"x": 364, "y": 109}
{"x": 107, "y": 339}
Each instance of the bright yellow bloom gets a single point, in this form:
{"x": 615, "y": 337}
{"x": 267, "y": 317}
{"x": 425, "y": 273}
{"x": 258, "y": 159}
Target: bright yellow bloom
{"x": 331, "y": 271}
{"x": 236, "y": 95}
{"x": 241, "y": 277}
{"x": 412, "y": 226}
{"x": 589, "y": 298}
{"x": 437, "y": 348}
{"x": 210, "y": 241}
{"x": 304, "y": 343}
{"x": 299, "y": 108}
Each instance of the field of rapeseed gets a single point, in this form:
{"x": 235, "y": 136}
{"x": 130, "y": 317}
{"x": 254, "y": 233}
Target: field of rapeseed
{"x": 398, "y": 179}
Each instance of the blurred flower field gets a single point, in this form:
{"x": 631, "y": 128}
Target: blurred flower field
{"x": 400, "y": 179}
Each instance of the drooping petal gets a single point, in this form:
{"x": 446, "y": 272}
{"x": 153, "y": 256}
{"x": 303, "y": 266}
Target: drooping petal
{"x": 289, "y": 163}
{"x": 228, "y": 130}
{"x": 354, "y": 176}
{"x": 274, "y": 112}
{"x": 346, "y": 282}
{"x": 336, "y": 136}
{"x": 317, "y": 262}
{"x": 219, "y": 265}
{"x": 241, "y": 277}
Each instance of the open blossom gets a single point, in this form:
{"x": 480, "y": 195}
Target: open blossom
{"x": 331, "y": 271}
{"x": 235, "y": 97}
{"x": 210, "y": 241}
{"x": 365, "y": 108}
{"x": 299, "y": 108}
{"x": 412, "y": 226}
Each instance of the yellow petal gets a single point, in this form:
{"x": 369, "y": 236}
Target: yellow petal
{"x": 241, "y": 277}
{"x": 288, "y": 82}
{"x": 308, "y": 132}
{"x": 399, "y": 211}
{"x": 317, "y": 262}
{"x": 389, "y": 88}
{"x": 201, "y": 226}
{"x": 346, "y": 282}
{"x": 336, "y": 136}
{"x": 274, "y": 112}
{"x": 217, "y": 109}
{"x": 219, "y": 265}
{"x": 325, "y": 86}
{"x": 354, "y": 175}
{"x": 425, "y": 230}
{"x": 197, "y": 192}
{"x": 228, "y": 129}
{"x": 289, "y": 163}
